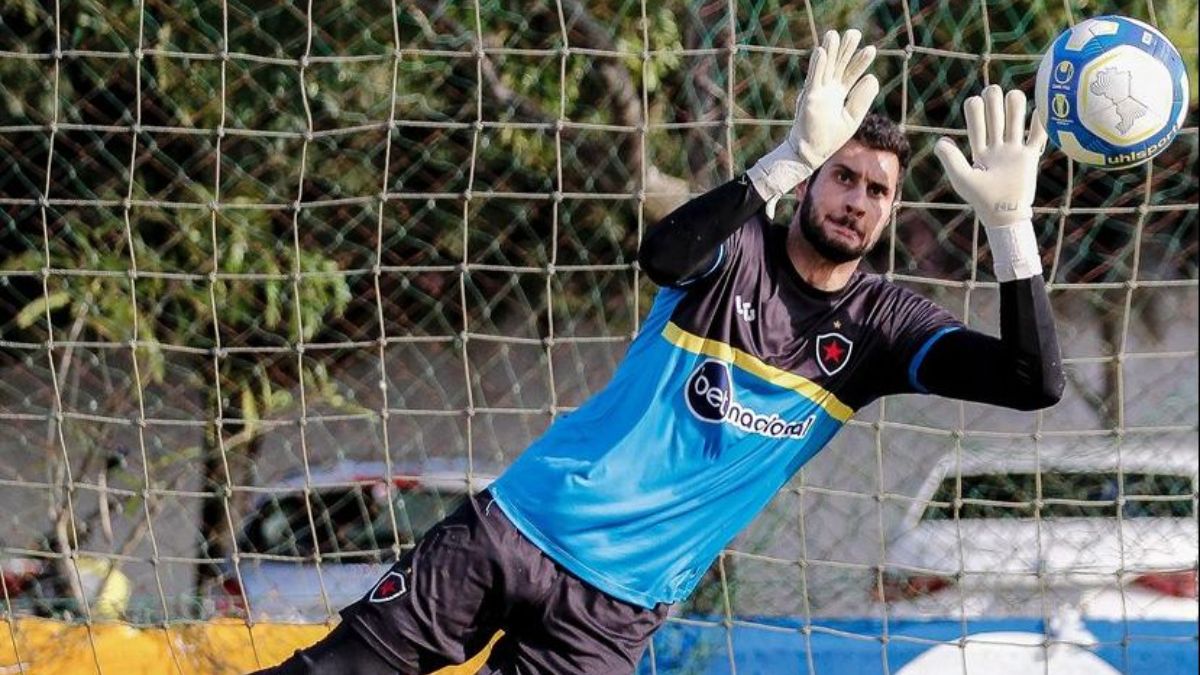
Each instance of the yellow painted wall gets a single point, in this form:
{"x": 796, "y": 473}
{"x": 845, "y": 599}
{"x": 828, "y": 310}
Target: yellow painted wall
{"x": 227, "y": 646}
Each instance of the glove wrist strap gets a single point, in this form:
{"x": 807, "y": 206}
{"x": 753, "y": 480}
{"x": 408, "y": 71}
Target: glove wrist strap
{"x": 1015, "y": 252}
{"x": 777, "y": 173}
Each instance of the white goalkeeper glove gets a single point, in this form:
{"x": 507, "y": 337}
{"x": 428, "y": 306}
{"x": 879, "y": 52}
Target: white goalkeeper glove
{"x": 829, "y": 109}
{"x": 1001, "y": 184}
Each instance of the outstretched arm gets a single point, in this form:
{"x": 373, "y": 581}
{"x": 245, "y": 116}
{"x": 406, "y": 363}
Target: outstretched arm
{"x": 1023, "y": 368}
{"x": 686, "y": 244}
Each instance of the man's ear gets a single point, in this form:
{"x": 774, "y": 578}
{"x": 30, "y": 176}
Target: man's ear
{"x": 801, "y": 190}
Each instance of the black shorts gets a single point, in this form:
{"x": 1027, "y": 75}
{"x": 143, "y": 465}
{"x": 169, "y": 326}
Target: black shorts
{"x": 473, "y": 574}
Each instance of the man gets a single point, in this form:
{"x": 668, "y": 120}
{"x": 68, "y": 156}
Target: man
{"x": 761, "y": 345}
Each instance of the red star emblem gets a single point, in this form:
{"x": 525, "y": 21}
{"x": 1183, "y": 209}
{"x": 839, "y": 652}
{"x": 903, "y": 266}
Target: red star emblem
{"x": 392, "y": 586}
{"x": 833, "y": 352}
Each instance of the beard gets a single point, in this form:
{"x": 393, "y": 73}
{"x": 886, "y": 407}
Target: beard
{"x": 832, "y": 250}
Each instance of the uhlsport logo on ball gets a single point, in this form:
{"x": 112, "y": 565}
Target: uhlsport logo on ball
{"x": 1112, "y": 92}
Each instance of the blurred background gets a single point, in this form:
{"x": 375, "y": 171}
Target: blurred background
{"x": 249, "y": 246}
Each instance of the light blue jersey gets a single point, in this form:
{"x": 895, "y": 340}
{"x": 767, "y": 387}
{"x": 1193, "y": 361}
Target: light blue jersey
{"x": 734, "y": 382}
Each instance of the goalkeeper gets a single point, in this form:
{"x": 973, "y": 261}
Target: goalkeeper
{"x": 761, "y": 344}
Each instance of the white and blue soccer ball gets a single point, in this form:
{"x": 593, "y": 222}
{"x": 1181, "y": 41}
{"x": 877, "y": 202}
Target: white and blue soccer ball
{"x": 1112, "y": 92}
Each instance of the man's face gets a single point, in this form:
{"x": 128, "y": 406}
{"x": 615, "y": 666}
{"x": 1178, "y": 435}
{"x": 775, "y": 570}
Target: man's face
{"x": 844, "y": 207}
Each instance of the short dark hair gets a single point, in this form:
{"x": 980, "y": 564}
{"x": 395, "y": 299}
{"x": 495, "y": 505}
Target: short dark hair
{"x": 880, "y": 133}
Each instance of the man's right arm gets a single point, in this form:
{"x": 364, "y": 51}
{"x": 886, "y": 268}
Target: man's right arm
{"x": 687, "y": 243}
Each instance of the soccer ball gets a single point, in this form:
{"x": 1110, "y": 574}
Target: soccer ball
{"x": 1112, "y": 92}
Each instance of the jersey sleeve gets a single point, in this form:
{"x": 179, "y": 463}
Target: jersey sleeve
{"x": 914, "y": 326}
{"x": 1022, "y": 369}
{"x": 698, "y": 239}
{"x": 727, "y": 250}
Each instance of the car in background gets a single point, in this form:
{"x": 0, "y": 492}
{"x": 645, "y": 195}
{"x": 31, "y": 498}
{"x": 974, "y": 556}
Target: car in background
{"x": 38, "y": 587}
{"x": 312, "y": 545}
{"x": 1104, "y": 530}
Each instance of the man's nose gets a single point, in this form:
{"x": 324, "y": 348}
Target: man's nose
{"x": 856, "y": 202}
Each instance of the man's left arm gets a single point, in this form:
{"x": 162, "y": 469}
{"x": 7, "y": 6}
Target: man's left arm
{"x": 1023, "y": 368}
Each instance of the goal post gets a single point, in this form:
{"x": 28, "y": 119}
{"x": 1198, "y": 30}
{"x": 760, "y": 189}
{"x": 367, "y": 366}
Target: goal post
{"x": 244, "y": 246}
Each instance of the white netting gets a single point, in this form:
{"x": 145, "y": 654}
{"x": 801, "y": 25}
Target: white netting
{"x": 247, "y": 241}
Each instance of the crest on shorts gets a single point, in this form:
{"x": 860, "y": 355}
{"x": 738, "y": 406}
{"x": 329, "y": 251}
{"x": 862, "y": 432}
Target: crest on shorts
{"x": 390, "y": 587}
{"x": 833, "y": 351}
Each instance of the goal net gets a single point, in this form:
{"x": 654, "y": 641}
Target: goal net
{"x": 281, "y": 281}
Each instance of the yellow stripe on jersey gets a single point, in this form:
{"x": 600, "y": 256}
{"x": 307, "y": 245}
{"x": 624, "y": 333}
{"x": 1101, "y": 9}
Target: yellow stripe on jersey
{"x": 752, "y": 364}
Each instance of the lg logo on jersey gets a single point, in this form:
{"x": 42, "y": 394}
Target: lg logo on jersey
{"x": 744, "y": 309}
{"x": 709, "y": 395}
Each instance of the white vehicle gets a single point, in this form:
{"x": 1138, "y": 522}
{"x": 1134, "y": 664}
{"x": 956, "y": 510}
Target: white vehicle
{"x": 346, "y": 524}
{"x": 1112, "y": 537}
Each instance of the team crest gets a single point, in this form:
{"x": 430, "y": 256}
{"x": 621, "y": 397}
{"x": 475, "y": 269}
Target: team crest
{"x": 833, "y": 351}
{"x": 390, "y": 587}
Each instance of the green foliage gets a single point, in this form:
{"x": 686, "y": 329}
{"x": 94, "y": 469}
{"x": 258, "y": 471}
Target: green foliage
{"x": 167, "y": 310}
{"x": 1180, "y": 21}
{"x": 255, "y": 171}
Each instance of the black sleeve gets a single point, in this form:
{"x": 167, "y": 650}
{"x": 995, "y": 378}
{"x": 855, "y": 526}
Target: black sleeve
{"x": 685, "y": 244}
{"x": 1022, "y": 369}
